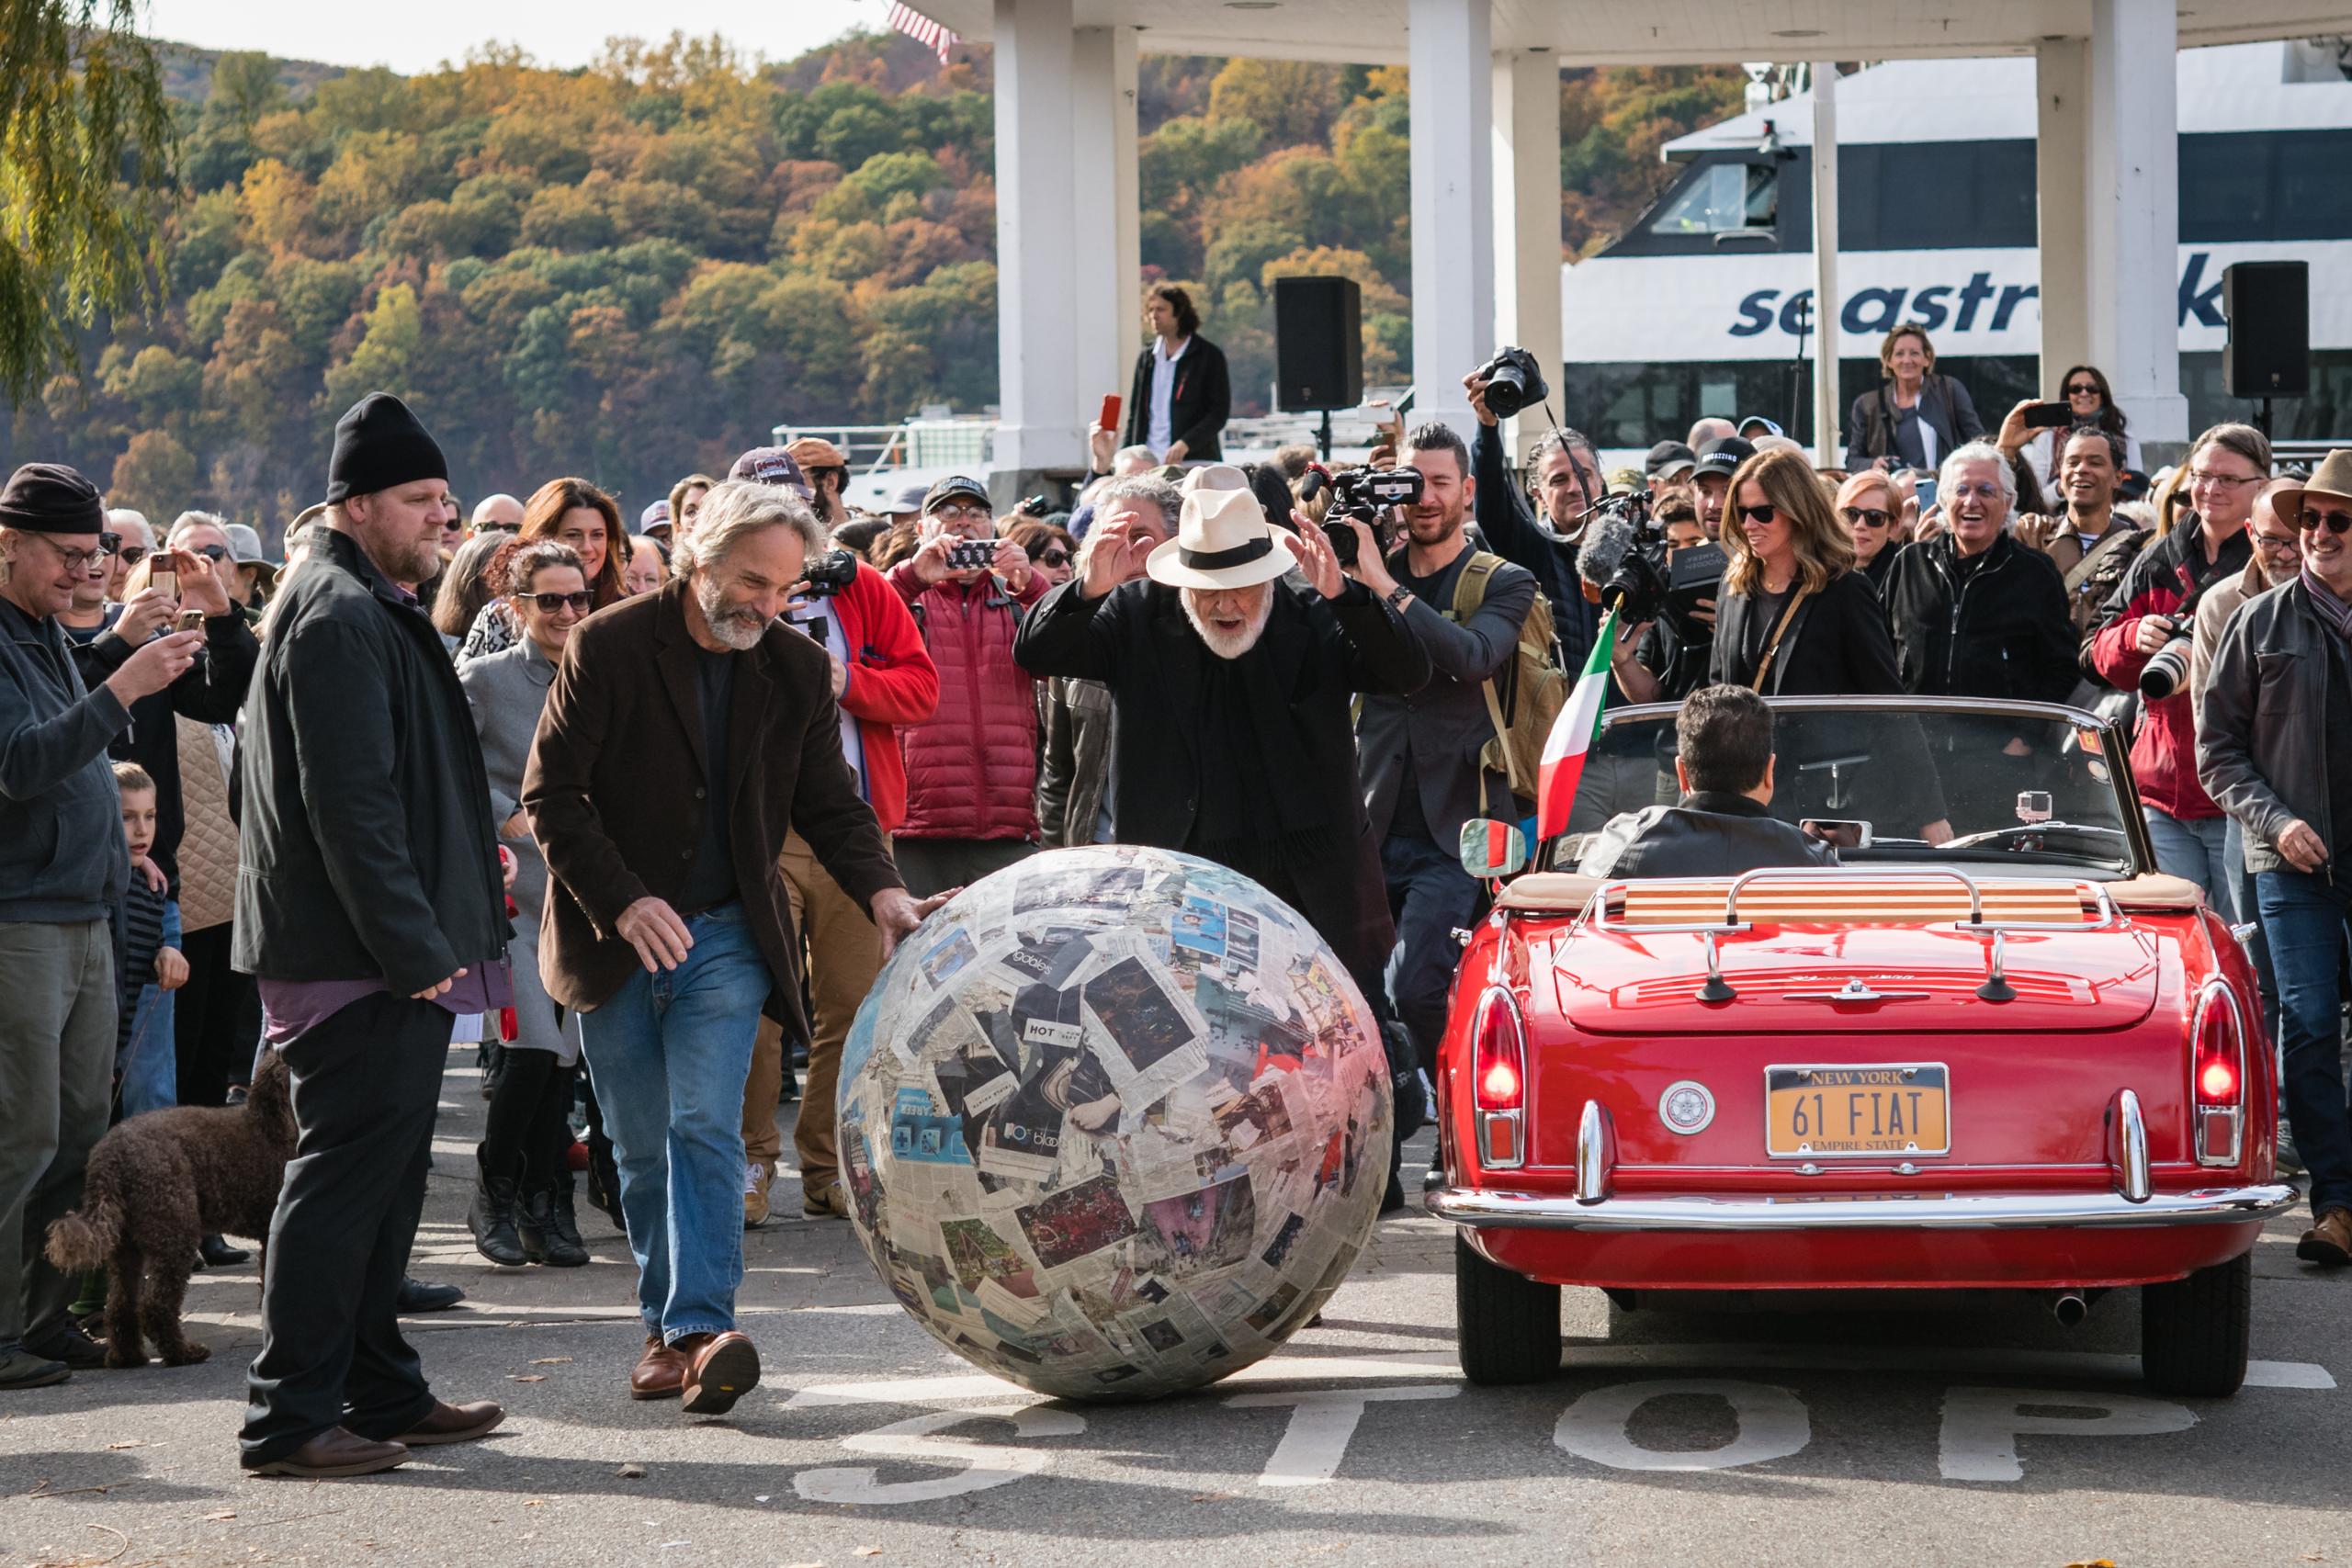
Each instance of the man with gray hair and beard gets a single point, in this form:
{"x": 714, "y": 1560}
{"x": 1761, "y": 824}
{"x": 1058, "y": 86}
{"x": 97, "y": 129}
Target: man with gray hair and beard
{"x": 1231, "y": 735}
{"x": 671, "y": 931}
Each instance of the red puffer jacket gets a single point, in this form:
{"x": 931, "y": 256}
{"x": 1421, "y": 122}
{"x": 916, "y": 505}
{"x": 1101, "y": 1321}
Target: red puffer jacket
{"x": 2164, "y": 754}
{"x": 972, "y": 767}
{"x": 892, "y": 683}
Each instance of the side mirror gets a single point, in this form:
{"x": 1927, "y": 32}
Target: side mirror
{"x": 1491, "y": 850}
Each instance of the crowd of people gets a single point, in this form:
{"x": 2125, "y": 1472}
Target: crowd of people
{"x": 658, "y": 802}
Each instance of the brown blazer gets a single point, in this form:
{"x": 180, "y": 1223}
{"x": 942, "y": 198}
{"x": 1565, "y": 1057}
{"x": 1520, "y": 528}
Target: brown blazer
{"x": 615, "y": 791}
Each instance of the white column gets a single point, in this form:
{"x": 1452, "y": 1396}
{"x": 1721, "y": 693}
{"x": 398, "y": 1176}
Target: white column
{"x": 1527, "y": 220}
{"x": 1828, "y": 440}
{"x": 1454, "y": 201}
{"x": 1107, "y": 242}
{"x": 2132, "y": 213}
{"x": 1038, "y": 425}
{"x": 2061, "y": 168}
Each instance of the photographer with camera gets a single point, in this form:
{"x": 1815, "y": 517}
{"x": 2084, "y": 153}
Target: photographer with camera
{"x": 884, "y": 681}
{"x": 2143, "y": 638}
{"x": 972, "y": 767}
{"x": 1427, "y": 762}
{"x": 1567, "y": 476}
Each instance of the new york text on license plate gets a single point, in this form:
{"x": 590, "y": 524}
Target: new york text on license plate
{"x": 1867, "y": 1109}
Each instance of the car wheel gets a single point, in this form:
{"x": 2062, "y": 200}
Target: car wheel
{"x": 1506, "y": 1324}
{"x": 2193, "y": 1331}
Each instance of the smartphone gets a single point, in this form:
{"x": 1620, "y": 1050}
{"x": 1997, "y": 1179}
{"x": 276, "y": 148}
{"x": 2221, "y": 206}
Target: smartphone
{"x": 971, "y": 555}
{"x": 2048, "y": 416}
{"x": 1923, "y": 486}
{"x": 188, "y": 621}
{"x": 165, "y": 574}
{"x": 1110, "y": 420}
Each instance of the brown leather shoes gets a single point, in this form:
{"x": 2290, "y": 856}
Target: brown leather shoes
{"x": 825, "y": 1203}
{"x": 660, "y": 1373}
{"x": 2329, "y": 1243}
{"x": 455, "y": 1424}
{"x": 721, "y": 1370}
{"x": 336, "y": 1451}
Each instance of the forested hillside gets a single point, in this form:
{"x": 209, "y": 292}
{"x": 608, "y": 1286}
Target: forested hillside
{"x": 635, "y": 269}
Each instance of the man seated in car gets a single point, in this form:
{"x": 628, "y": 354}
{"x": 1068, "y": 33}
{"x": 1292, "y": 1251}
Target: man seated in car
{"x": 1721, "y": 826}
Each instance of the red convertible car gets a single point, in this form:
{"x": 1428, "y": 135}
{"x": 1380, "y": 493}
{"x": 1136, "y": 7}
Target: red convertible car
{"x": 1991, "y": 1049}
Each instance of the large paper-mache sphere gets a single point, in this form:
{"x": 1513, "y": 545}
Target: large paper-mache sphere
{"x": 1114, "y": 1123}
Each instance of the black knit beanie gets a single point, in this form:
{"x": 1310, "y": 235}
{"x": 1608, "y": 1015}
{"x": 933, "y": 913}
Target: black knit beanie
{"x": 378, "y": 443}
{"x": 50, "y": 498}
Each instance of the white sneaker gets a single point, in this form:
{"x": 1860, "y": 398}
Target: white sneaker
{"x": 756, "y": 1177}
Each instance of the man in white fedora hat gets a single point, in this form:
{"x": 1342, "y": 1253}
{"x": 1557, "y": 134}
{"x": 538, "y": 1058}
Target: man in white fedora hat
{"x": 1231, "y": 736}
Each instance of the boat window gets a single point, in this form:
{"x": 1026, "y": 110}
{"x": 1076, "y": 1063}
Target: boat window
{"x": 1722, "y": 198}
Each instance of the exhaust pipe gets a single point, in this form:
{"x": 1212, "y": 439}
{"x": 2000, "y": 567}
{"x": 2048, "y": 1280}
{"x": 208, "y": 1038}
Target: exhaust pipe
{"x": 2069, "y": 1308}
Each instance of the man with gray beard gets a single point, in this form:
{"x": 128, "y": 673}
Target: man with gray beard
{"x": 1231, "y": 736}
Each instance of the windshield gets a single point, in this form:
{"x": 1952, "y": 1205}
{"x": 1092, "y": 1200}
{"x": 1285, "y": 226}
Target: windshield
{"x": 1916, "y": 781}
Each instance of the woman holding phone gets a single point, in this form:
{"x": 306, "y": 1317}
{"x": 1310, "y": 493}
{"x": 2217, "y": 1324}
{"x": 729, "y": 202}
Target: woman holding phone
{"x": 2032, "y": 430}
{"x": 522, "y": 1210}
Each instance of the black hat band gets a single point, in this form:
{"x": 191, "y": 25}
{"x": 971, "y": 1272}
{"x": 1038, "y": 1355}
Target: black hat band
{"x": 1217, "y": 560}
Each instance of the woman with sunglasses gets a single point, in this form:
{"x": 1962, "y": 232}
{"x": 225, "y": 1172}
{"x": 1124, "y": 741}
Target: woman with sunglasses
{"x": 1050, "y": 549}
{"x": 522, "y": 1208}
{"x": 574, "y": 512}
{"x": 2089, "y": 405}
{"x": 1867, "y": 506}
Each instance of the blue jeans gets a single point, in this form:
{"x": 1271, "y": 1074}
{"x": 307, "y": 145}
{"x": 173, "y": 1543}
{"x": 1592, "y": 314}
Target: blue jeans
{"x": 2304, "y": 919}
{"x": 2241, "y": 908}
{"x": 148, "y": 1062}
{"x": 2193, "y": 849}
{"x": 670, "y": 1052}
{"x": 1430, "y": 895}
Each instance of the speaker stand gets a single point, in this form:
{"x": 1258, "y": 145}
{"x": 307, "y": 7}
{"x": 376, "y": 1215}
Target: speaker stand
{"x": 1325, "y": 437}
{"x": 2262, "y": 417}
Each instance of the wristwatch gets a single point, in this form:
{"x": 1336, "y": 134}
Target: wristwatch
{"x": 1395, "y": 598}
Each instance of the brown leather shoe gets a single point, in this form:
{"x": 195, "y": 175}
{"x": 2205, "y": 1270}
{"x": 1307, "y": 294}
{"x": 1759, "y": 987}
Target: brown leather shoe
{"x": 825, "y": 1203}
{"x": 659, "y": 1373}
{"x": 721, "y": 1370}
{"x": 2329, "y": 1243}
{"x": 455, "y": 1424}
{"x": 336, "y": 1451}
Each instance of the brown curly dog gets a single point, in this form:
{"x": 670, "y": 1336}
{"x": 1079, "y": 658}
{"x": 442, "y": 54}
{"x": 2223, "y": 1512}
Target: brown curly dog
{"x": 155, "y": 1185}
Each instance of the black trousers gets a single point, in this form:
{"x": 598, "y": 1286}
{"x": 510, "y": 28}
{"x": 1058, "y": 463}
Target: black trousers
{"x": 365, "y": 1084}
{"x": 216, "y": 1020}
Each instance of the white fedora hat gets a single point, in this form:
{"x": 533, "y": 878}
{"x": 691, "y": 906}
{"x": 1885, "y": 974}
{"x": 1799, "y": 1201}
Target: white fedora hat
{"x": 1222, "y": 541}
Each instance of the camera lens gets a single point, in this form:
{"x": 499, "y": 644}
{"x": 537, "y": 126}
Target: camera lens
{"x": 1506, "y": 391}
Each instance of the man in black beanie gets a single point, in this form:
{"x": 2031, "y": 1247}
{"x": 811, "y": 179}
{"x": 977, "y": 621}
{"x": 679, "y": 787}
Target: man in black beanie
{"x": 369, "y": 906}
{"x": 62, "y": 870}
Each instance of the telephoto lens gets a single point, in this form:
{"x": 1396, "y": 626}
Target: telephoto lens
{"x": 2167, "y": 670}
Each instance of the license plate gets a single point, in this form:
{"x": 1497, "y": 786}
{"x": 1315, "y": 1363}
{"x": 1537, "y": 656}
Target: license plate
{"x": 1875, "y": 1109}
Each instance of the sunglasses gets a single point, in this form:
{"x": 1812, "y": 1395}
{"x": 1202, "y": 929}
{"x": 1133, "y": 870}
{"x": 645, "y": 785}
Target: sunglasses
{"x": 1054, "y": 558}
{"x": 1867, "y": 517}
{"x": 1764, "y": 513}
{"x": 2082, "y": 390}
{"x": 2334, "y": 522}
{"x": 549, "y": 603}
{"x": 215, "y": 553}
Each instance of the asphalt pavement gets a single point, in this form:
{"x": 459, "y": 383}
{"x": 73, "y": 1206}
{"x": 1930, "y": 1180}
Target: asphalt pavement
{"x": 1918, "y": 1431}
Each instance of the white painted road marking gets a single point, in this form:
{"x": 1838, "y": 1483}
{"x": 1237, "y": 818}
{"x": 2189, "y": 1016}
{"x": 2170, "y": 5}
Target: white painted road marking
{"x": 986, "y": 1465}
{"x": 1321, "y": 1425}
{"x": 1773, "y": 1423}
{"x": 1981, "y": 1425}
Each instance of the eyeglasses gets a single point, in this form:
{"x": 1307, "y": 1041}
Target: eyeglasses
{"x": 1764, "y": 513}
{"x": 1982, "y": 492}
{"x": 2206, "y": 477}
{"x": 214, "y": 553}
{"x": 76, "y": 560}
{"x": 2334, "y": 522}
{"x": 1867, "y": 517}
{"x": 2082, "y": 390}
{"x": 549, "y": 603}
{"x": 129, "y": 555}
{"x": 2272, "y": 544}
{"x": 1054, "y": 558}
{"x": 964, "y": 513}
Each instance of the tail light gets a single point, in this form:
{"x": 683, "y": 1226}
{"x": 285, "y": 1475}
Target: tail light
{"x": 1498, "y": 1081}
{"x": 2217, "y": 1068}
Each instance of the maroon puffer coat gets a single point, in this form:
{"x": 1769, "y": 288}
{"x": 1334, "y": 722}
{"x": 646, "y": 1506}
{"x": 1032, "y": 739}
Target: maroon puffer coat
{"x": 972, "y": 766}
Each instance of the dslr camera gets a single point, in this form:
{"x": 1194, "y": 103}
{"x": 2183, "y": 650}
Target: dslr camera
{"x": 1627, "y": 567}
{"x": 1366, "y": 495}
{"x": 1514, "y": 380}
{"x": 2167, "y": 670}
{"x": 829, "y": 573}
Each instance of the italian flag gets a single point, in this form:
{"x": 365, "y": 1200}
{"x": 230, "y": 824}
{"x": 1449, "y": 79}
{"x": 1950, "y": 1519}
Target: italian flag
{"x": 1572, "y": 735}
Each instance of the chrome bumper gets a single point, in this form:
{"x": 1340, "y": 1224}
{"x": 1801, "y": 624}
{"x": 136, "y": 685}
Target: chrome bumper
{"x": 1953, "y": 1210}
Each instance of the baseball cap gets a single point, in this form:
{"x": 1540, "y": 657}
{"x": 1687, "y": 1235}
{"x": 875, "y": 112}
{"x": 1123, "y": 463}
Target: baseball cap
{"x": 816, "y": 452}
{"x": 771, "y": 465}
{"x": 1755, "y": 422}
{"x": 1722, "y": 455}
{"x": 953, "y": 486}
{"x": 909, "y": 498}
{"x": 1668, "y": 460}
{"x": 654, "y": 518}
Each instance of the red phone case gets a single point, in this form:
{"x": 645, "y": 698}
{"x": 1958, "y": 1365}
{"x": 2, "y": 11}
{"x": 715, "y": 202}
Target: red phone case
{"x": 1111, "y": 412}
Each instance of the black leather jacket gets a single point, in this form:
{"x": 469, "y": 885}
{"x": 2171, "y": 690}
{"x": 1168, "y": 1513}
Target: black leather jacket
{"x": 1709, "y": 834}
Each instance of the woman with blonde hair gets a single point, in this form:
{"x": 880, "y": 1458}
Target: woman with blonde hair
{"x": 1914, "y": 417}
{"x": 1794, "y": 617}
{"x": 1867, "y": 506}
